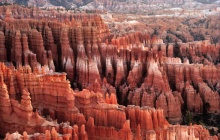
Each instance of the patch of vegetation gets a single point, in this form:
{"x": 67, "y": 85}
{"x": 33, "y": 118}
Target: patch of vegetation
{"x": 206, "y": 1}
{"x": 188, "y": 118}
{"x": 208, "y": 120}
{"x": 4, "y": 4}
{"x": 176, "y": 50}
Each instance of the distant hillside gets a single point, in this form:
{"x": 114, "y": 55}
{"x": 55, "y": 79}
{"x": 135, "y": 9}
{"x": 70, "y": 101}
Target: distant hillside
{"x": 21, "y": 2}
{"x": 124, "y": 6}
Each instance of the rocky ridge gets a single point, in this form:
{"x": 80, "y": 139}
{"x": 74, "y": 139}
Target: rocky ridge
{"x": 121, "y": 6}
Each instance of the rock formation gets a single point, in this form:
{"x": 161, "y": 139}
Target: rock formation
{"x": 68, "y": 68}
{"x": 96, "y": 115}
{"x": 3, "y": 54}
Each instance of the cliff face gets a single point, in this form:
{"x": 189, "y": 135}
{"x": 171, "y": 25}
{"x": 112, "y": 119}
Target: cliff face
{"x": 70, "y": 68}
